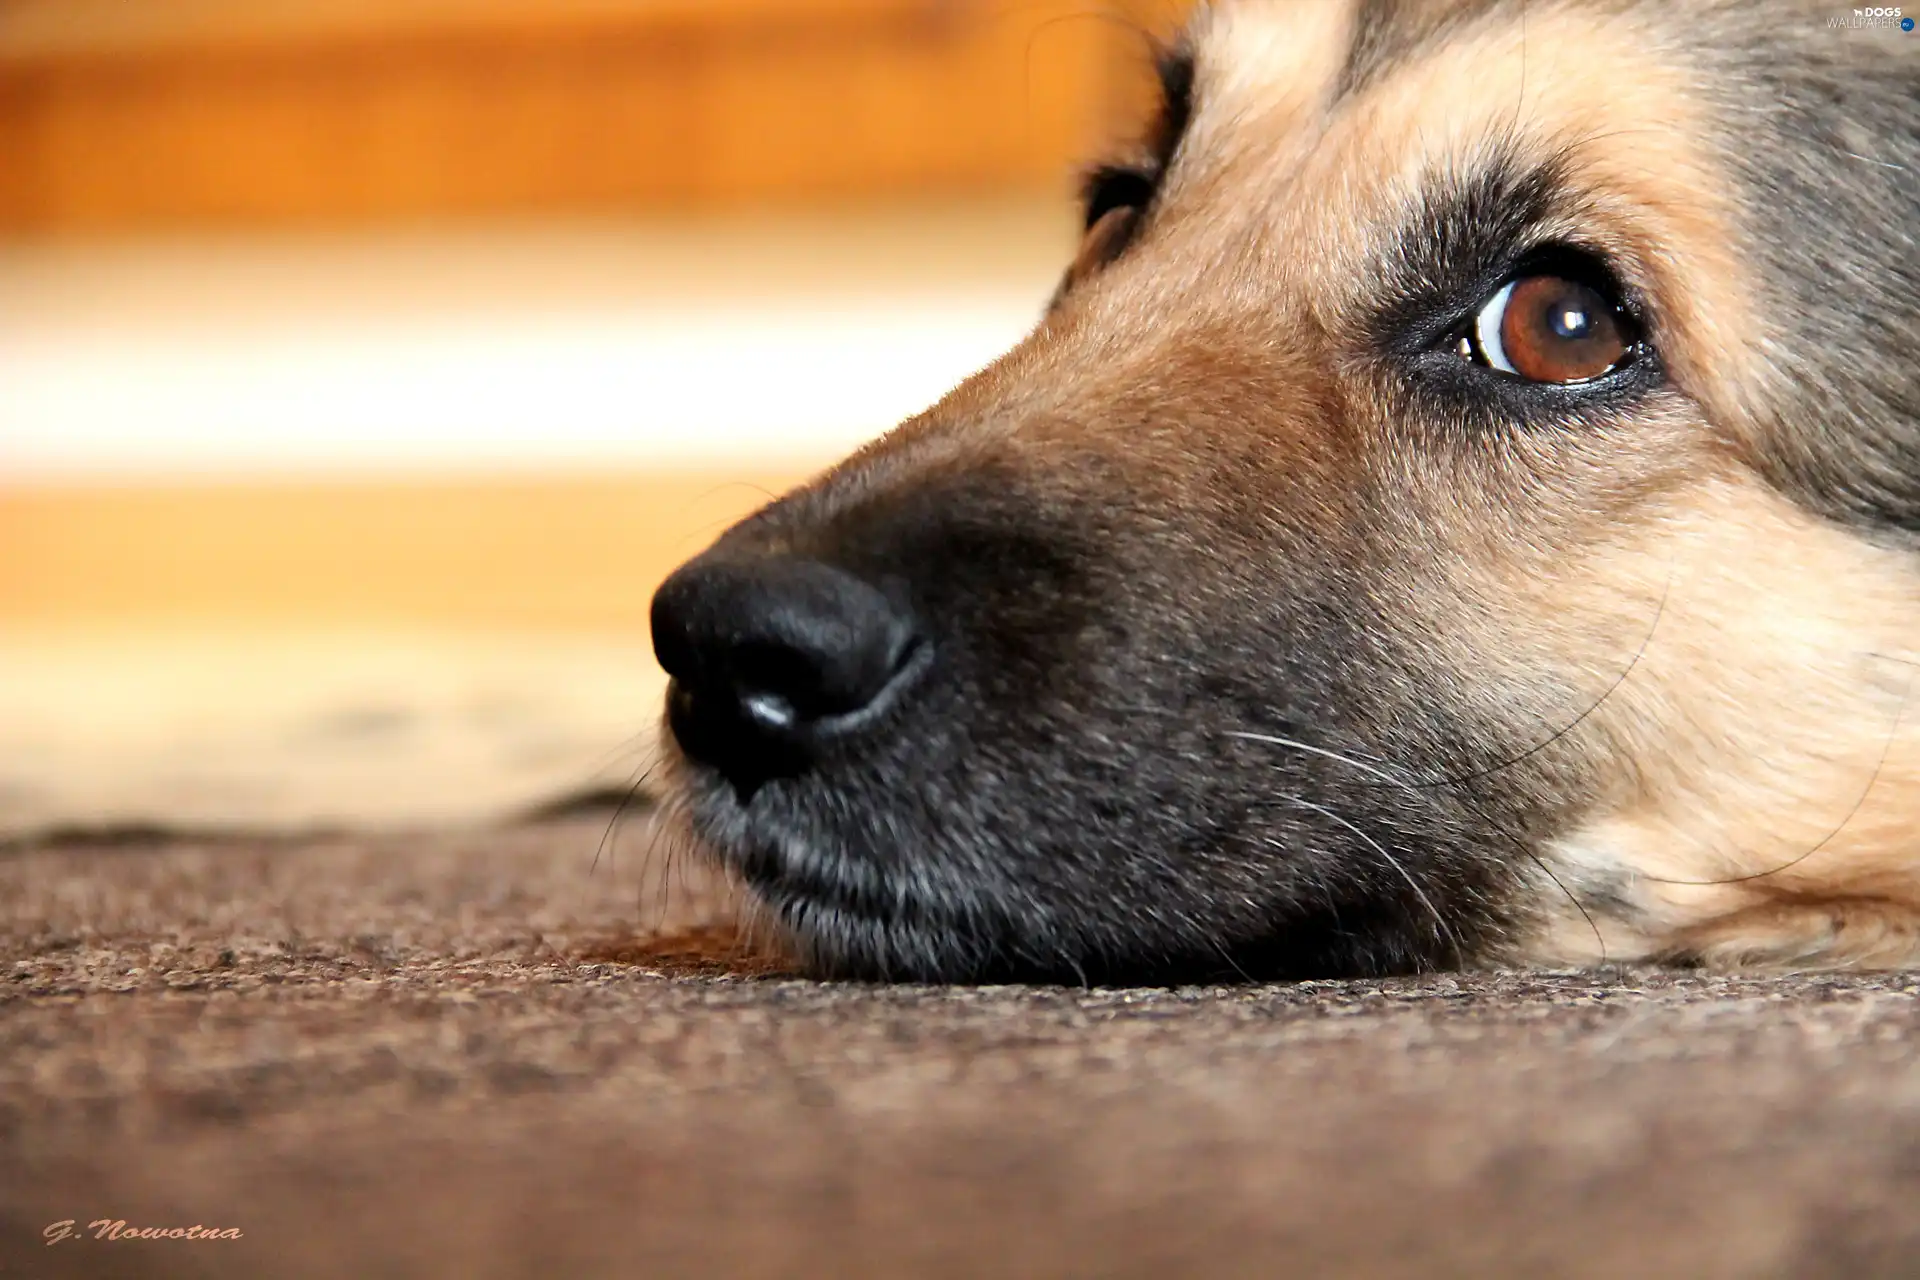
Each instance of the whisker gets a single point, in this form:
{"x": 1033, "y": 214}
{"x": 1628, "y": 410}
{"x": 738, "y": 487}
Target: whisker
{"x": 1593, "y": 926}
{"x": 663, "y": 896}
{"x": 1427, "y": 784}
{"x": 1227, "y": 956}
{"x": 1884, "y": 164}
{"x": 1460, "y": 780}
{"x": 646, "y": 738}
{"x": 1487, "y": 772}
{"x": 1309, "y": 748}
{"x": 1518, "y": 845}
{"x": 645, "y": 772}
{"x": 1658, "y": 613}
{"x": 1440, "y": 921}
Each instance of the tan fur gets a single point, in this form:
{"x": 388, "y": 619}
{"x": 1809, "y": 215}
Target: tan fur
{"x": 1753, "y": 728}
{"x": 1768, "y": 739}
{"x": 1284, "y": 61}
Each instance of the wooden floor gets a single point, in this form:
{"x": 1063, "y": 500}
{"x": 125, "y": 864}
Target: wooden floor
{"x": 118, "y": 114}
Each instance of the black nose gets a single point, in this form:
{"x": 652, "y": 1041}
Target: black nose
{"x": 774, "y": 658}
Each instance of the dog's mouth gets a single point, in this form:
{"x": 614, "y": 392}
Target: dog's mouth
{"x": 1010, "y": 784}
{"x": 854, "y": 909}
{"x": 882, "y": 896}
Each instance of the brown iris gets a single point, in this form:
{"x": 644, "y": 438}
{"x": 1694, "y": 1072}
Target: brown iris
{"x": 1550, "y": 329}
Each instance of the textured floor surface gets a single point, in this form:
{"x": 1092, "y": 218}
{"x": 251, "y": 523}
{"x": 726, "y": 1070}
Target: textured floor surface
{"x": 460, "y": 1056}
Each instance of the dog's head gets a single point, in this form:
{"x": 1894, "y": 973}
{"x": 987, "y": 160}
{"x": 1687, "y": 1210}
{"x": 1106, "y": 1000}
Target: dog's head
{"x": 1461, "y": 506}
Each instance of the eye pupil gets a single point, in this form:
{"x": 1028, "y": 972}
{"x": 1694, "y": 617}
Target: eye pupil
{"x": 1572, "y": 323}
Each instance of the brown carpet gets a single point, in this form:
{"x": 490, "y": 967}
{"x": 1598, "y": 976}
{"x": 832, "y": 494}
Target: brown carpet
{"x": 460, "y": 1056}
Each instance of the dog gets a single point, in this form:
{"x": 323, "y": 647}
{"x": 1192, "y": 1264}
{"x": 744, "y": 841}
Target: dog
{"x": 1461, "y": 508}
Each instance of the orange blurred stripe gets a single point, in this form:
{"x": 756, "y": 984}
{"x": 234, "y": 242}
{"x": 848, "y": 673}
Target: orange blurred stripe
{"x": 556, "y": 555}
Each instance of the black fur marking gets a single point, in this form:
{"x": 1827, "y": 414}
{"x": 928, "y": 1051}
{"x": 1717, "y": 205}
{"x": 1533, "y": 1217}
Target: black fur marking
{"x": 1467, "y": 235}
{"x": 1176, "y": 69}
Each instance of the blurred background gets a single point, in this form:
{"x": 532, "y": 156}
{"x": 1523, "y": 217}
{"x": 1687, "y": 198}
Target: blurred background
{"x": 364, "y": 366}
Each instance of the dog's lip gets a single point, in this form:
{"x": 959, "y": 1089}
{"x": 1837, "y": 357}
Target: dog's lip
{"x": 774, "y": 871}
{"x": 743, "y": 836}
{"x": 797, "y": 876}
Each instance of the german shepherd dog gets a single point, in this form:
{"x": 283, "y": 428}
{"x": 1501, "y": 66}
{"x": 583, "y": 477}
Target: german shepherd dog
{"x": 1462, "y": 508}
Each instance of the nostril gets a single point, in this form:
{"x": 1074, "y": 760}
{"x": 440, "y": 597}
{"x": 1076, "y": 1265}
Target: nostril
{"x": 770, "y": 657}
{"x": 808, "y": 681}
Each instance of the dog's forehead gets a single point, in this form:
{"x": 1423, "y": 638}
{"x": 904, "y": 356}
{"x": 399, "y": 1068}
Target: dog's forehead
{"x": 1264, "y": 58}
{"x": 1333, "y": 119}
{"x": 1388, "y": 33}
{"x": 1279, "y": 54}
{"x": 1328, "y": 48}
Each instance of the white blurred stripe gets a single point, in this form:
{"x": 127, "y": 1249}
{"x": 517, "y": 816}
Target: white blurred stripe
{"x": 766, "y": 384}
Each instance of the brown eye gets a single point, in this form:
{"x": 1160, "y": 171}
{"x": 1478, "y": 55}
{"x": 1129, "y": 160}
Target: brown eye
{"x": 1549, "y": 329}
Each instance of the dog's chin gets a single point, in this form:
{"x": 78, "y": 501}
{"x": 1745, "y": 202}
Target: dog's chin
{"x": 848, "y": 911}
{"x": 836, "y": 941}
{"x": 924, "y": 908}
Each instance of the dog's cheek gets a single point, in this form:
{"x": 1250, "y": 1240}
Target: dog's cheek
{"x": 1753, "y": 762}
